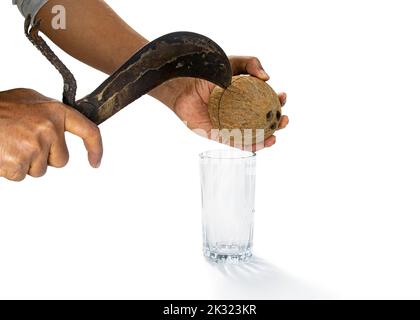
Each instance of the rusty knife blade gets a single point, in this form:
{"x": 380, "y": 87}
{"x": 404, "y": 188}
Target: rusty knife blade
{"x": 179, "y": 54}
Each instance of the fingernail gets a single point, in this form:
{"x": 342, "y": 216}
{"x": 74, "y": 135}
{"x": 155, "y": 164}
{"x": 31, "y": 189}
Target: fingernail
{"x": 284, "y": 101}
{"x": 97, "y": 164}
{"x": 264, "y": 74}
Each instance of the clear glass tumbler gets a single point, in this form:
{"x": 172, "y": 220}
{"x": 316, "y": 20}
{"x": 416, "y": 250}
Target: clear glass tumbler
{"x": 228, "y": 197}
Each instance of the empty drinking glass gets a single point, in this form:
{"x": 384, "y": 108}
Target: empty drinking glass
{"x": 228, "y": 194}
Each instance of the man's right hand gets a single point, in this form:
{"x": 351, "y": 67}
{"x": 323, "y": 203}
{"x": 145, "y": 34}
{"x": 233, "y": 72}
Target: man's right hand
{"x": 32, "y": 130}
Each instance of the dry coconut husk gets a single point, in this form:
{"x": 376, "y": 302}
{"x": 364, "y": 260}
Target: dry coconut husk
{"x": 248, "y": 103}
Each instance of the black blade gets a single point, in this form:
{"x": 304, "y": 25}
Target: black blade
{"x": 179, "y": 54}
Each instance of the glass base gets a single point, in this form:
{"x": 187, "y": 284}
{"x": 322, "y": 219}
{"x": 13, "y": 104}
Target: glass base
{"x": 228, "y": 253}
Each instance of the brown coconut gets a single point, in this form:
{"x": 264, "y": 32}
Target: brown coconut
{"x": 248, "y": 103}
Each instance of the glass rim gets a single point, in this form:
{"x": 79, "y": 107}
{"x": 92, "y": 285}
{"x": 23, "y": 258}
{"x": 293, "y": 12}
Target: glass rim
{"x": 227, "y": 154}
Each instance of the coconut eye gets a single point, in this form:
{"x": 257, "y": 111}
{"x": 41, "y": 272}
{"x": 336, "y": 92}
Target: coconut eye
{"x": 278, "y": 115}
{"x": 273, "y": 126}
{"x": 269, "y": 115}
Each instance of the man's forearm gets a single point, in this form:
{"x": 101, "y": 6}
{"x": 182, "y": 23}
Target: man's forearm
{"x": 97, "y": 36}
{"x": 94, "y": 33}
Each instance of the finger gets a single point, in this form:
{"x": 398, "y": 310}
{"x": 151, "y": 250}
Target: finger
{"x": 259, "y": 146}
{"x": 39, "y": 165}
{"x": 249, "y": 65}
{"x": 59, "y": 154}
{"x": 270, "y": 141}
{"x": 284, "y": 121}
{"x": 2, "y": 173}
{"x": 283, "y": 98}
{"x": 16, "y": 172}
{"x": 79, "y": 125}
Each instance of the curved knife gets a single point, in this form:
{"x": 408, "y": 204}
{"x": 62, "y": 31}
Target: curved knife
{"x": 179, "y": 54}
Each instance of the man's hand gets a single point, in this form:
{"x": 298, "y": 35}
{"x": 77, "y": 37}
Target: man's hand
{"x": 32, "y": 134}
{"x": 191, "y": 105}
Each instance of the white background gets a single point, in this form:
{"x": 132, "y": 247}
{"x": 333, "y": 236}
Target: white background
{"x": 337, "y": 205}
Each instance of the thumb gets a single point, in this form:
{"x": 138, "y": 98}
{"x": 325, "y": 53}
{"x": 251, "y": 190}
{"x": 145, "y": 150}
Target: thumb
{"x": 82, "y": 127}
{"x": 249, "y": 65}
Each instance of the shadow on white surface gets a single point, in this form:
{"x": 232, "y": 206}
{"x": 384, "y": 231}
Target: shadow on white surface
{"x": 258, "y": 279}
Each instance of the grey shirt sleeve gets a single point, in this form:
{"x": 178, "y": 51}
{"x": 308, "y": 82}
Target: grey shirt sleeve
{"x": 29, "y": 6}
